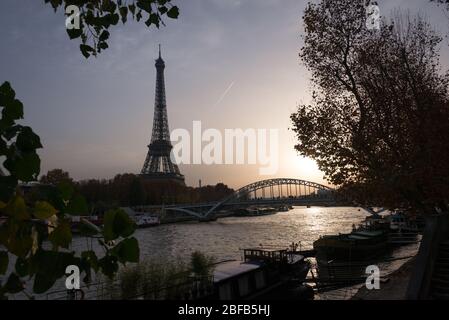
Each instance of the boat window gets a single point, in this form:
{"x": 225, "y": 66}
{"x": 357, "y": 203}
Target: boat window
{"x": 225, "y": 291}
{"x": 260, "y": 280}
{"x": 243, "y": 286}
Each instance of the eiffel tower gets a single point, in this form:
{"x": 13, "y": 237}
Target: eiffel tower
{"x": 158, "y": 165}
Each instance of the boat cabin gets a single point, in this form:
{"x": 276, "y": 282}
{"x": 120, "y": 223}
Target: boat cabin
{"x": 260, "y": 271}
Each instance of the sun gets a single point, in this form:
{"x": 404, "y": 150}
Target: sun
{"x": 294, "y": 165}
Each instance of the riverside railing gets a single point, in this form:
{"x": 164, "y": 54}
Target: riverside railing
{"x": 436, "y": 230}
{"x": 193, "y": 288}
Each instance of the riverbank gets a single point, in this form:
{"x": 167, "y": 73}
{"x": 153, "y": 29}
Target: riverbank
{"x": 394, "y": 288}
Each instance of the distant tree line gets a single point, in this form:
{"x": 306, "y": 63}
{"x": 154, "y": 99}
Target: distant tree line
{"x": 132, "y": 190}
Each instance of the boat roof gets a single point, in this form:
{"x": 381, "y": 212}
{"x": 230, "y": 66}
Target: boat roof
{"x": 368, "y": 233}
{"x": 356, "y": 237}
{"x": 231, "y": 269}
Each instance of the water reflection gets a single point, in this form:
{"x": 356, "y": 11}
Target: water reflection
{"x": 223, "y": 238}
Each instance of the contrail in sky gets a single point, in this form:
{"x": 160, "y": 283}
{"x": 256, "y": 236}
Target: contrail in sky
{"x": 224, "y": 94}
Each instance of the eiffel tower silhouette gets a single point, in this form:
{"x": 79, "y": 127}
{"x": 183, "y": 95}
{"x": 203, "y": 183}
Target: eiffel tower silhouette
{"x": 158, "y": 164}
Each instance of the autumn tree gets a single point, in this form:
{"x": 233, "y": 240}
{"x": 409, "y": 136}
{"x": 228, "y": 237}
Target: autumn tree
{"x": 378, "y": 123}
{"x": 55, "y": 177}
{"x": 137, "y": 194}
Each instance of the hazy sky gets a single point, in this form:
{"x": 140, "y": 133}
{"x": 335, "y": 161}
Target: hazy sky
{"x": 95, "y": 116}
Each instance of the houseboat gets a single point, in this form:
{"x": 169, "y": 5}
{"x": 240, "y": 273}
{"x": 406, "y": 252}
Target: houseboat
{"x": 359, "y": 245}
{"x": 262, "y": 273}
{"x": 399, "y": 222}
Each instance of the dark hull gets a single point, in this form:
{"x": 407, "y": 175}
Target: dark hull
{"x": 351, "y": 252}
{"x": 343, "y": 248}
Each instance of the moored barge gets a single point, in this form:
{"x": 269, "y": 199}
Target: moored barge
{"x": 263, "y": 272}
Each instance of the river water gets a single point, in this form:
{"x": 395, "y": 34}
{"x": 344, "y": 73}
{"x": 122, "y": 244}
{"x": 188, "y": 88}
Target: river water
{"x": 223, "y": 238}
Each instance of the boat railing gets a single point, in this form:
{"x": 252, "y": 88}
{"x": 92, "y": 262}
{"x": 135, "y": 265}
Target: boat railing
{"x": 274, "y": 256}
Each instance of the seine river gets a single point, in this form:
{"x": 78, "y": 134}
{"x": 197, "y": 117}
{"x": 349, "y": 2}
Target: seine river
{"x": 223, "y": 238}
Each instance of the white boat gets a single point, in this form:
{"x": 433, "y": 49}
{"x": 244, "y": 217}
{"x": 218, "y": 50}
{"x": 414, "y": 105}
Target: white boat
{"x": 144, "y": 221}
{"x": 400, "y": 223}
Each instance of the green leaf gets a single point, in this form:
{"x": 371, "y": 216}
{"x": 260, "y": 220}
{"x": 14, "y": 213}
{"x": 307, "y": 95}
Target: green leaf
{"x": 108, "y": 226}
{"x": 7, "y": 93}
{"x": 16, "y": 238}
{"x": 20, "y": 246}
{"x": 27, "y": 140}
{"x": 109, "y": 6}
{"x": 61, "y": 235}
{"x": 43, "y": 283}
{"x": 13, "y": 110}
{"x": 104, "y": 35}
{"x": 54, "y": 3}
{"x": 173, "y": 12}
{"x": 25, "y": 167}
{"x": 77, "y": 206}
{"x": 144, "y": 5}
{"x": 43, "y": 210}
{"x": 10, "y": 132}
{"x": 7, "y": 187}
{"x": 127, "y": 250}
{"x": 153, "y": 19}
{"x": 124, "y": 13}
{"x": 4, "y": 260}
{"x": 139, "y": 15}
{"x": 103, "y": 45}
{"x": 162, "y": 10}
{"x": 108, "y": 265}
{"x": 74, "y": 33}
{"x": 50, "y": 266}
{"x": 88, "y": 228}
{"x": 123, "y": 224}
{"x": 86, "y": 50}
{"x": 14, "y": 284}
{"x": 132, "y": 8}
{"x": 90, "y": 258}
{"x": 22, "y": 267}
{"x": 17, "y": 209}
{"x": 117, "y": 223}
{"x": 112, "y": 19}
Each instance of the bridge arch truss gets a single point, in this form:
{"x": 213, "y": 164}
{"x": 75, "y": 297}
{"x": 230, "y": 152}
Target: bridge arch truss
{"x": 276, "y": 189}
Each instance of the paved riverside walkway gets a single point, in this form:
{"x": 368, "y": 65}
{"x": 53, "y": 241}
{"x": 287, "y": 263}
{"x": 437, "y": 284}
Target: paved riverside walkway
{"x": 394, "y": 289}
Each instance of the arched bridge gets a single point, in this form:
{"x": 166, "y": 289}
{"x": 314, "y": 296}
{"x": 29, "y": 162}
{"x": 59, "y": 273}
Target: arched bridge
{"x": 266, "y": 192}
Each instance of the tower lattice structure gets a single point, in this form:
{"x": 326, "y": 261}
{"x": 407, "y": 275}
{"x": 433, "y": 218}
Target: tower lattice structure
{"x": 158, "y": 164}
